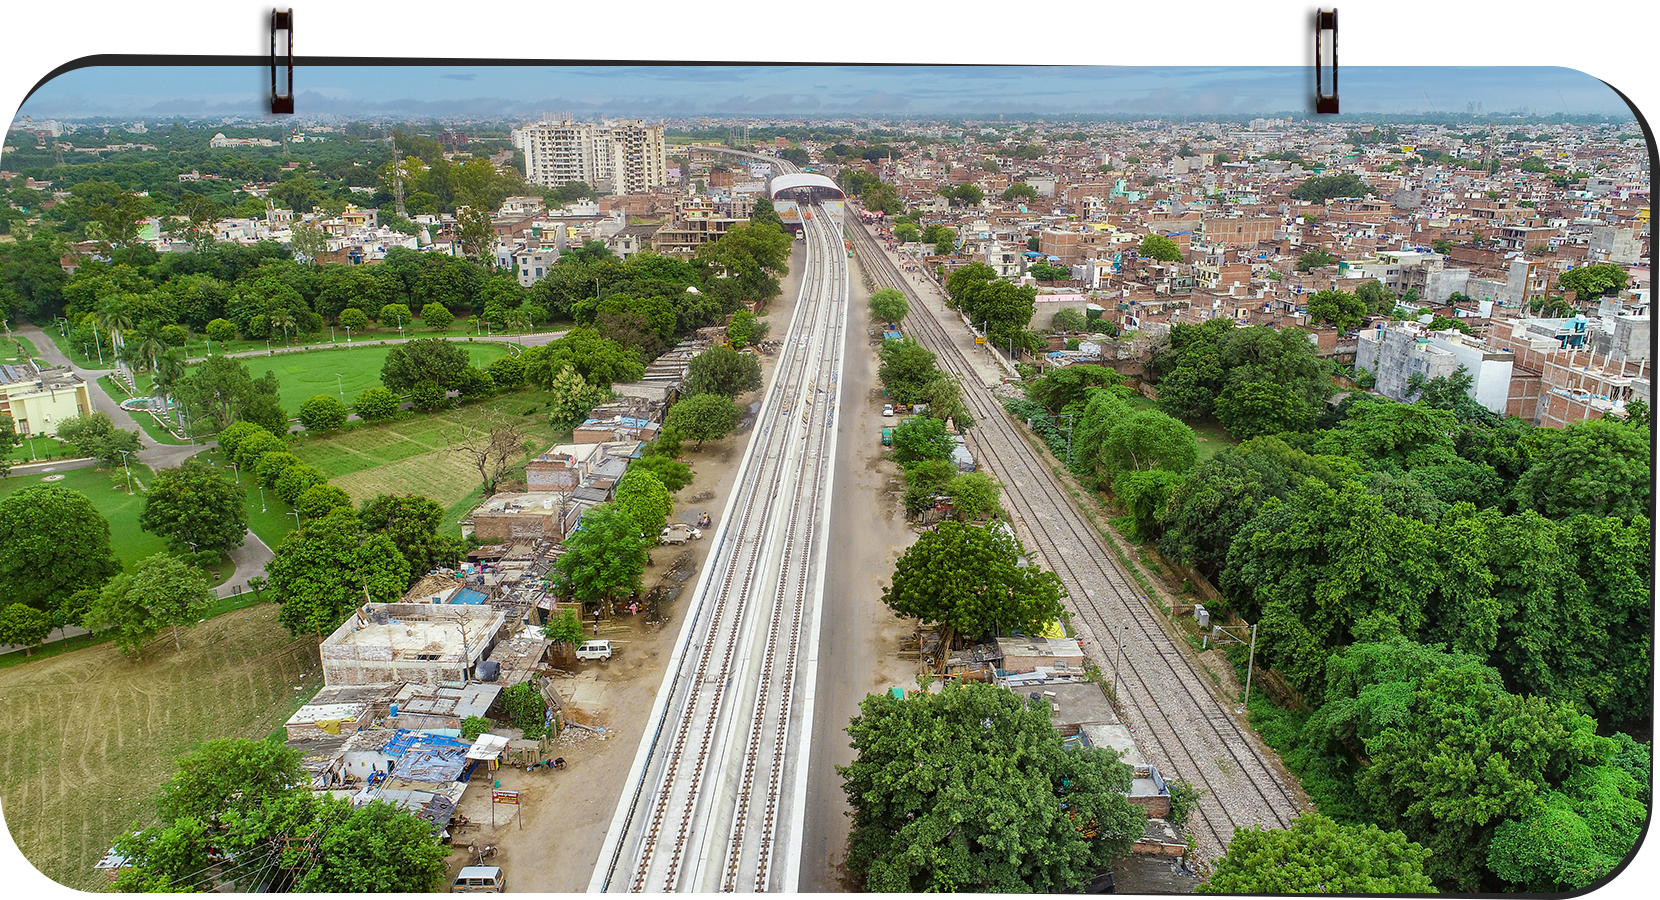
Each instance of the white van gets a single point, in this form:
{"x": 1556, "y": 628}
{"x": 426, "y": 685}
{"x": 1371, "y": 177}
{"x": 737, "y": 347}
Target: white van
{"x": 479, "y": 878}
{"x": 594, "y": 650}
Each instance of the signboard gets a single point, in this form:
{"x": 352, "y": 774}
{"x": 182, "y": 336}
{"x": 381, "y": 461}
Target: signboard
{"x": 505, "y": 797}
{"x": 979, "y": 339}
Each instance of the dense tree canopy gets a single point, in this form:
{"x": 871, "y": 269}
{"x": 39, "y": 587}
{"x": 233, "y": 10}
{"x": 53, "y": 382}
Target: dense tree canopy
{"x": 971, "y": 790}
{"x": 328, "y": 567}
{"x": 427, "y": 359}
{"x": 723, "y": 371}
{"x": 906, "y": 368}
{"x": 195, "y": 506}
{"x": 1318, "y": 856}
{"x": 966, "y": 578}
{"x": 704, "y": 417}
{"x": 604, "y": 558}
{"x": 53, "y": 542}
{"x": 413, "y": 523}
{"x": 1601, "y": 467}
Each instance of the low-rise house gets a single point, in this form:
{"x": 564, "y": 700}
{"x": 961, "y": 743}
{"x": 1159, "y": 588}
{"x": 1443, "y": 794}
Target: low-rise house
{"x": 409, "y": 642}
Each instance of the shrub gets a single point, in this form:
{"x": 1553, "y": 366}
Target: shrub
{"x": 296, "y": 481}
{"x": 525, "y": 708}
{"x": 174, "y": 335}
{"x": 252, "y": 449}
{"x": 221, "y": 330}
{"x": 321, "y": 499}
{"x": 322, "y": 413}
{"x": 271, "y": 466}
{"x": 429, "y": 395}
{"x": 437, "y": 316}
{"x": 507, "y": 372}
{"x": 377, "y": 404}
{"x": 353, "y": 318}
{"x": 473, "y": 726}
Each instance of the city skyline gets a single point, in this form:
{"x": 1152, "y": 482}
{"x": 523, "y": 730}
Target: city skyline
{"x": 813, "y": 91}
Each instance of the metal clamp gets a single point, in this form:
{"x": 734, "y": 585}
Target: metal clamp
{"x": 282, "y": 21}
{"x": 1324, "y": 102}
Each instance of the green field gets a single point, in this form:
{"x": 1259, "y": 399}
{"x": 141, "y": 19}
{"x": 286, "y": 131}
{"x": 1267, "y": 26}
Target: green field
{"x": 412, "y": 454}
{"x": 305, "y": 375}
{"x": 131, "y": 543}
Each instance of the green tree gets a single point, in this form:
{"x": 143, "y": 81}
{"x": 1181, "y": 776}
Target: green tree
{"x": 943, "y": 396}
{"x": 565, "y": 628}
{"x": 1259, "y": 408}
{"x": 1600, "y": 467}
{"x": 437, "y": 316}
{"x": 764, "y": 213}
{"x": 224, "y": 776}
{"x": 220, "y": 391}
{"x": 941, "y": 802}
{"x": 252, "y": 450}
{"x": 1068, "y": 388}
{"x": 322, "y": 571}
{"x": 395, "y": 314}
{"x": 221, "y": 330}
{"x": 323, "y": 413}
{"x": 374, "y": 848}
{"x": 572, "y": 399}
{"x": 162, "y": 591}
{"x": 1160, "y": 248}
{"x": 377, "y": 404}
{"x": 919, "y": 438}
{"x": 1315, "y": 258}
{"x": 1021, "y": 191}
{"x": 974, "y": 496}
{"x": 1573, "y": 836}
{"x": 1148, "y": 439}
{"x": 647, "y": 500}
{"x": 671, "y": 473}
{"x": 195, "y": 507}
{"x": 704, "y": 417}
{"x": 53, "y": 543}
{"x": 1146, "y": 494}
{"x": 906, "y": 368}
{"x": 889, "y": 305}
{"x": 1067, "y": 320}
{"x": 413, "y": 523}
{"x": 21, "y": 625}
{"x": 600, "y": 361}
{"x": 1594, "y": 281}
{"x": 427, "y": 359}
{"x": 723, "y": 371}
{"x": 745, "y": 329}
{"x": 319, "y": 500}
{"x": 1318, "y": 856}
{"x": 1339, "y": 308}
{"x": 95, "y": 435}
{"x": 9, "y": 441}
{"x": 604, "y": 559}
{"x": 966, "y": 578}
{"x": 165, "y": 858}
{"x": 1321, "y": 188}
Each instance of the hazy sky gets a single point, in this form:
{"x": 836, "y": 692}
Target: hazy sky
{"x": 675, "y": 90}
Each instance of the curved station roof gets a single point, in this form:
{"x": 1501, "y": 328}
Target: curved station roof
{"x": 804, "y": 181}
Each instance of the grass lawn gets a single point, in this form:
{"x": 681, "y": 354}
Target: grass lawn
{"x": 412, "y": 454}
{"x": 131, "y": 543}
{"x": 90, "y": 735}
{"x": 20, "y": 351}
{"x": 305, "y": 375}
{"x": 43, "y": 449}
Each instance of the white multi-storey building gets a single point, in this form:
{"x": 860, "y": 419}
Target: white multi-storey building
{"x": 625, "y": 157}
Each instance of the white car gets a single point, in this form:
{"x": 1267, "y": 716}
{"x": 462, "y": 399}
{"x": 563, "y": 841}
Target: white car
{"x": 594, "y": 650}
{"x": 887, "y": 411}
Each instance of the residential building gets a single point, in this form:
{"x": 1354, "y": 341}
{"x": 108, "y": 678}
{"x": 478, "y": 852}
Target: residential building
{"x": 1395, "y": 354}
{"x": 410, "y": 642}
{"x": 38, "y": 400}
{"x": 623, "y": 157}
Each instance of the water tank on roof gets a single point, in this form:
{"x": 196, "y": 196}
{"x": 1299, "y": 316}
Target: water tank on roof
{"x": 548, "y": 503}
{"x": 488, "y": 670}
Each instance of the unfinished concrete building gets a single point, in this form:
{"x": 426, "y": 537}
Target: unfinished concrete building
{"x": 421, "y": 643}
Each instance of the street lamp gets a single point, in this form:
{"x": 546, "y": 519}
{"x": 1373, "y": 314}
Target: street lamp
{"x": 129, "y": 471}
{"x": 340, "y": 385}
{"x": 1068, "y": 417}
{"x": 262, "y": 498}
{"x": 235, "y": 472}
{"x": 348, "y": 334}
{"x": 296, "y": 514}
{"x": 1226, "y": 631}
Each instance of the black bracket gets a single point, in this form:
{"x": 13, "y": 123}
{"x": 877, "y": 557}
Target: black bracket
{"x": 283, "y": 22}
{"x": 1324, "y": 102}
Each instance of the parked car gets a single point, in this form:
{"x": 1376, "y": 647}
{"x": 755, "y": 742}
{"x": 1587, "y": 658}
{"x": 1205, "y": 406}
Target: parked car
{"x": 887, "y": 437}
{"x": 887, "y": 410}
{"x": 594, "y": 650}
{"x": 479, "y": 878}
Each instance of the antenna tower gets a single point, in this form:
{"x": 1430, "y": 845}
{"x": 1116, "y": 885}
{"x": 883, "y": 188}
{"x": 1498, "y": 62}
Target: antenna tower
{"x": 397, "y": 177}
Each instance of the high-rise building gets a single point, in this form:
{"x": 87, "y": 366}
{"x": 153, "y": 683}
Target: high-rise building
{"x": 624, "y": 157}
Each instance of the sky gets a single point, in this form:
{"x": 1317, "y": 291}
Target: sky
{"x": 809, "y": 91}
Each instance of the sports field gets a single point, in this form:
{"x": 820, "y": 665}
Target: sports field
{"x": 90, "y": 735}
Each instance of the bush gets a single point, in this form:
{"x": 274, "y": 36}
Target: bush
{"x": 437, "y": 316}
{"x": 507, "y": 372}
{"x": 296, "y": 480}
{"x": 473, "y": 726}
{"x": 252, "y": 449}
{"x": 353, "y": 318}
{"x": 271, "y": 466}
{"x": 321, "y": 499}
{"x": 323, "y": 413}
{"x": 525, "y": 708}
{"x": 377, "y": 404}
{"x": 221, "y": 330}
{"x": 429, "y": 395}
{"x": 174, "y": 335}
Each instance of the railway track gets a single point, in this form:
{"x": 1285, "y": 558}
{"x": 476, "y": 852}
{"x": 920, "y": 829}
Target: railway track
{"x": 1181, "y": 725}
{"x": 714, "y": 800}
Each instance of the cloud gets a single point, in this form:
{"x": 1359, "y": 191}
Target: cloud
{"x": 459, "y": 76}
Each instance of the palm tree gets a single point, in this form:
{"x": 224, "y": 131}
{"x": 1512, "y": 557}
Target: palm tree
{"x": 170, "y": 368}
{"x": 149, "y": 344}
{"x": 115, "y": 315}
{"x": 281, "y": 318}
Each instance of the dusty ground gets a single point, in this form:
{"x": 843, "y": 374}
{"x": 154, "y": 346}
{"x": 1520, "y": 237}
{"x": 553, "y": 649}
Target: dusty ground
{"x": 565, "y": 812}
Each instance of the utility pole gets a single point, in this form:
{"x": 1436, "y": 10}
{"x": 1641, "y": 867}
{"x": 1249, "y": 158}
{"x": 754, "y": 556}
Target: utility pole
{"x": 1226, "y": 631}
{"x": 397, "y": 177}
